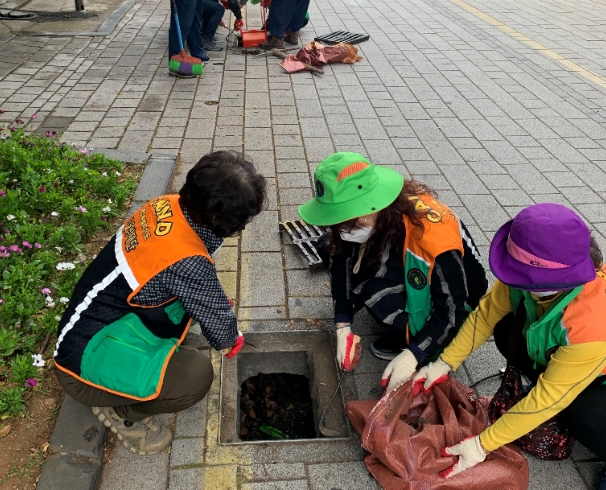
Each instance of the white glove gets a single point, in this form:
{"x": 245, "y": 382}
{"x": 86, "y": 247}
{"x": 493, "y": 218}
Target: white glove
{"x": 348, "y": 348}
{"x": 470, "y": 453}
{"x": 434, "y": 373}
{"x": 399, "y": 370}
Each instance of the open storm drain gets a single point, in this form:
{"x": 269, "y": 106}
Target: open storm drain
{"x": 276, "y": 406}
{"x": 277, "y": 391}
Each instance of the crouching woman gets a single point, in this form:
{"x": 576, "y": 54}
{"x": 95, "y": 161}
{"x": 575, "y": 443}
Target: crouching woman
{"x": 547, "y": 312}
{"x": 119, "y": 342}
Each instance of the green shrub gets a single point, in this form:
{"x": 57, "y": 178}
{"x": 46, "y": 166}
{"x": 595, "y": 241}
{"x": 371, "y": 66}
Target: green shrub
{"x": 53, "y": 198}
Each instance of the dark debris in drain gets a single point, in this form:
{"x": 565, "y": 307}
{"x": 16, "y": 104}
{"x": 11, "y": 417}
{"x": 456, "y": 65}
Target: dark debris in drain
{"x": 62, "y": 16}
{"x": 280, "y": 401}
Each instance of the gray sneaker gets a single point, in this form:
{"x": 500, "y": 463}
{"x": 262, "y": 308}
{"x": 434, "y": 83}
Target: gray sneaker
{"x": 211, "y": 45}
{"x": 145, "y": 437}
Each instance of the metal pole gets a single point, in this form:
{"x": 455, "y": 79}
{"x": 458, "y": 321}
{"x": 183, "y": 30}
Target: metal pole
{"x": 79, "y": 4}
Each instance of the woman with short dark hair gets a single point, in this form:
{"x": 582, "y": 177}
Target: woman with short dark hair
{"x": 118, "y": 342}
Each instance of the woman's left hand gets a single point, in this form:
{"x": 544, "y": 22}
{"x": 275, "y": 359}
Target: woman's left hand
{"x": 399, "y": 370}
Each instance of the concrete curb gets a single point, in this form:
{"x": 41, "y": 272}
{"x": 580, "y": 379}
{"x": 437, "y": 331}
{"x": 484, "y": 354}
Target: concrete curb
{"x": 105, "y": 29}
{"x": 78, "y": 437}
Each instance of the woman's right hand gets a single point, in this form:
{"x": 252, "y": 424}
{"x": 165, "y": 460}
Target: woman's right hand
{"x": 349, "y": 348}
{"x": 428, "y": 376}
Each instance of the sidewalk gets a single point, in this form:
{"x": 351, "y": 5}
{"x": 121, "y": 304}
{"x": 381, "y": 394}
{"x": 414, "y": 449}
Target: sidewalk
{"x": 495, "y": 106}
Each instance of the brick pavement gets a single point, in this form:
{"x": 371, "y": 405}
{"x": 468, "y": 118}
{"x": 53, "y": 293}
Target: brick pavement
{"x": 497, "y": 106}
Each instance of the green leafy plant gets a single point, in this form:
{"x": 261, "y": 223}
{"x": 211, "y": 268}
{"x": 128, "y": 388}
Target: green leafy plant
{"x": 22, "y": 369}
{"x": 53, "y": 199}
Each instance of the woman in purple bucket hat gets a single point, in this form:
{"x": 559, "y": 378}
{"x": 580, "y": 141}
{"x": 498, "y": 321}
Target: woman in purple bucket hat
{"x": 547, "y": 313}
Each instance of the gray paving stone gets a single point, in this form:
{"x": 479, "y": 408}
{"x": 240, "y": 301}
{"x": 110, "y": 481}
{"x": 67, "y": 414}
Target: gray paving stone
{"x": 186, "y": 479}
{"x": 261, "y": 234}
{"x": 486, "y": 211}
{"x": 302, "y": 307}
{"x": 279, "y": 485}
{"x": 278, "y": 471}
{"x": 128, "y": 470}
{"x": 305, "y": 283}
{"x": 78, "y": 431}
{"x": 556, "y": 475}
{"x": 192, "y": 422}
{"x": 341, "y": 475}
{"x": 255, "y": 288}
{"x": 188, "y": 451}
{"x": 66, "y": 470}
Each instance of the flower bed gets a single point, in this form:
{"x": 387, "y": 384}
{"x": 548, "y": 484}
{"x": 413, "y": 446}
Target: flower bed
{"x": 53, "y": 198}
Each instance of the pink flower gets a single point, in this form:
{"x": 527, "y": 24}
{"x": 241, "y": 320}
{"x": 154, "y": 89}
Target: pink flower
{"x": 45, "y": 291}
{"x": 84, "y": 151}
{"x": 26, "y": 244}
{"x": 82, "y": 209}
{"x": 41, "y": 189}
{"x": 30, "y": 383}
{"x": 4, "y": 254}
{"x": 19, "y": 121}
{"x": 15, "y": 249}
{"x": 56, "y": 184}
{"x": 34, "y": 116}
{"x": 2, "y": 193}
{"x": 1, "y": 301}
{"x": 37, "y": 245}
{"x": 1, "y": 111}
{"x": 12, "y": 130}
{"x": 103, "y": 218}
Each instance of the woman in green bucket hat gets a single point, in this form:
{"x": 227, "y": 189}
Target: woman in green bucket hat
{"x": 396, "y": 250}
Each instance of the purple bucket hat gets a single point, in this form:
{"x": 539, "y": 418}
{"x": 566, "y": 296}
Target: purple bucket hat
{"x": 544, "y": 248}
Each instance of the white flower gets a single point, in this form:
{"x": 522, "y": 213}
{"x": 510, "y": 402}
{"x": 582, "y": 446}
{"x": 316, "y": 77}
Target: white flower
{"x": 106, "y": 209}
{"x": 50, "y": 304}
{"x": 64, "y": 300}
{"x": 62, "y": 266}
{"x": 49, "y": 299}
{"x": 71, "y": 181}
{"x": 104, "y": 174}
{"x": 37, "y": 360}
{"x": 54, "y": 213}
{"x": 118, "y": 174}
{"x": 10, "y": 217}
{"x": 59, "y": 249}
{"x": 109, "y": 201}
{"x": 57, "y": 318}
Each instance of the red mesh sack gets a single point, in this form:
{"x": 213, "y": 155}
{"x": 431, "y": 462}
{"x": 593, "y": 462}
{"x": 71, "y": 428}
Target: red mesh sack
{"x": 404, "y": 437}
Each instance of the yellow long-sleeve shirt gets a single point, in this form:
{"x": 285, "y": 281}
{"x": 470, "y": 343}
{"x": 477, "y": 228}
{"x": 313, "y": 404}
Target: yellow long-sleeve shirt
{"x": 569, "y": 371}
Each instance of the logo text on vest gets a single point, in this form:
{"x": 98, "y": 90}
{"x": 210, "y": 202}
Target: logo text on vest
{"x": 163, "y": 211}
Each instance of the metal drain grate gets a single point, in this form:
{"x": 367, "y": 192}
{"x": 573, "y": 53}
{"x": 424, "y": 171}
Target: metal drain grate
{"x": 342, "y": 37}
{"x": 305, "y": 236}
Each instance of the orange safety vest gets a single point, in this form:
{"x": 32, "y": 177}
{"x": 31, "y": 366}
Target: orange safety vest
{"x": 105, "y": 339}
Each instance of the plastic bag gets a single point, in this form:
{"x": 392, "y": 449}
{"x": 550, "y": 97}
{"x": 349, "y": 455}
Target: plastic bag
{"x": 405, "y": 436}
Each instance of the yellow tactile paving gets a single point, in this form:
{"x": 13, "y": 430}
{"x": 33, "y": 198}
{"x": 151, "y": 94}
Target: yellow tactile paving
{"x": 571, "y": 65}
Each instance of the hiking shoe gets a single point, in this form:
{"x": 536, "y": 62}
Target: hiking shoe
{"x": 272, "y": 42}
{"x": 211, "y": 45}
{"x": 388, "y": 347}
{"x": 202, "y": 56}
{"x": 291, "y": 37}
{"x": 145, "y": 437}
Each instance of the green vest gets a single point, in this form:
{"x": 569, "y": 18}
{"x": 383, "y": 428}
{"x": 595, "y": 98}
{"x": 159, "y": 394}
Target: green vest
{"x": 547, "y": 332}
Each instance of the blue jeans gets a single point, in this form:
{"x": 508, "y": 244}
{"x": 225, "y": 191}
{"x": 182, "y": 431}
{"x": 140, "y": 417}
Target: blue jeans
{"x": 286, "y": 14}
{"x": 190, "y": 20}
{"x": 211, "y": 18}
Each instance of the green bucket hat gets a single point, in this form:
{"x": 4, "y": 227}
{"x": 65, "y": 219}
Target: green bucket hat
{"x": 349, "y": 186}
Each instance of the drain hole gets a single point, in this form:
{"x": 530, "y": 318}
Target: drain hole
{"x": 276, "y": 406}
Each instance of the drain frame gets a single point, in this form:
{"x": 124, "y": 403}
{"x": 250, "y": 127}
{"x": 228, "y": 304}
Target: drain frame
{"x": 318, "y": 348}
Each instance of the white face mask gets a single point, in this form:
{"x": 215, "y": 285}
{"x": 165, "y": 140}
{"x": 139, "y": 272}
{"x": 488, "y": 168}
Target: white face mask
{"x": 542, "y": 294}
{"x": 357, "y": 235}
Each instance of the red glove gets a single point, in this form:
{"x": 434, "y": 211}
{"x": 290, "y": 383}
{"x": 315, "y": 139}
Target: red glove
{"x": 225, "y": 4}
{"x": 265, "y": 3}
{"x": 349, "y": 348}
{"x": 238, "y": 24}
{"x": 230, "y": 352}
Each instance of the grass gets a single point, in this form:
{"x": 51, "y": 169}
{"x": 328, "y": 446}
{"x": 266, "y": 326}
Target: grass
{"x": 53, "y": 198}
